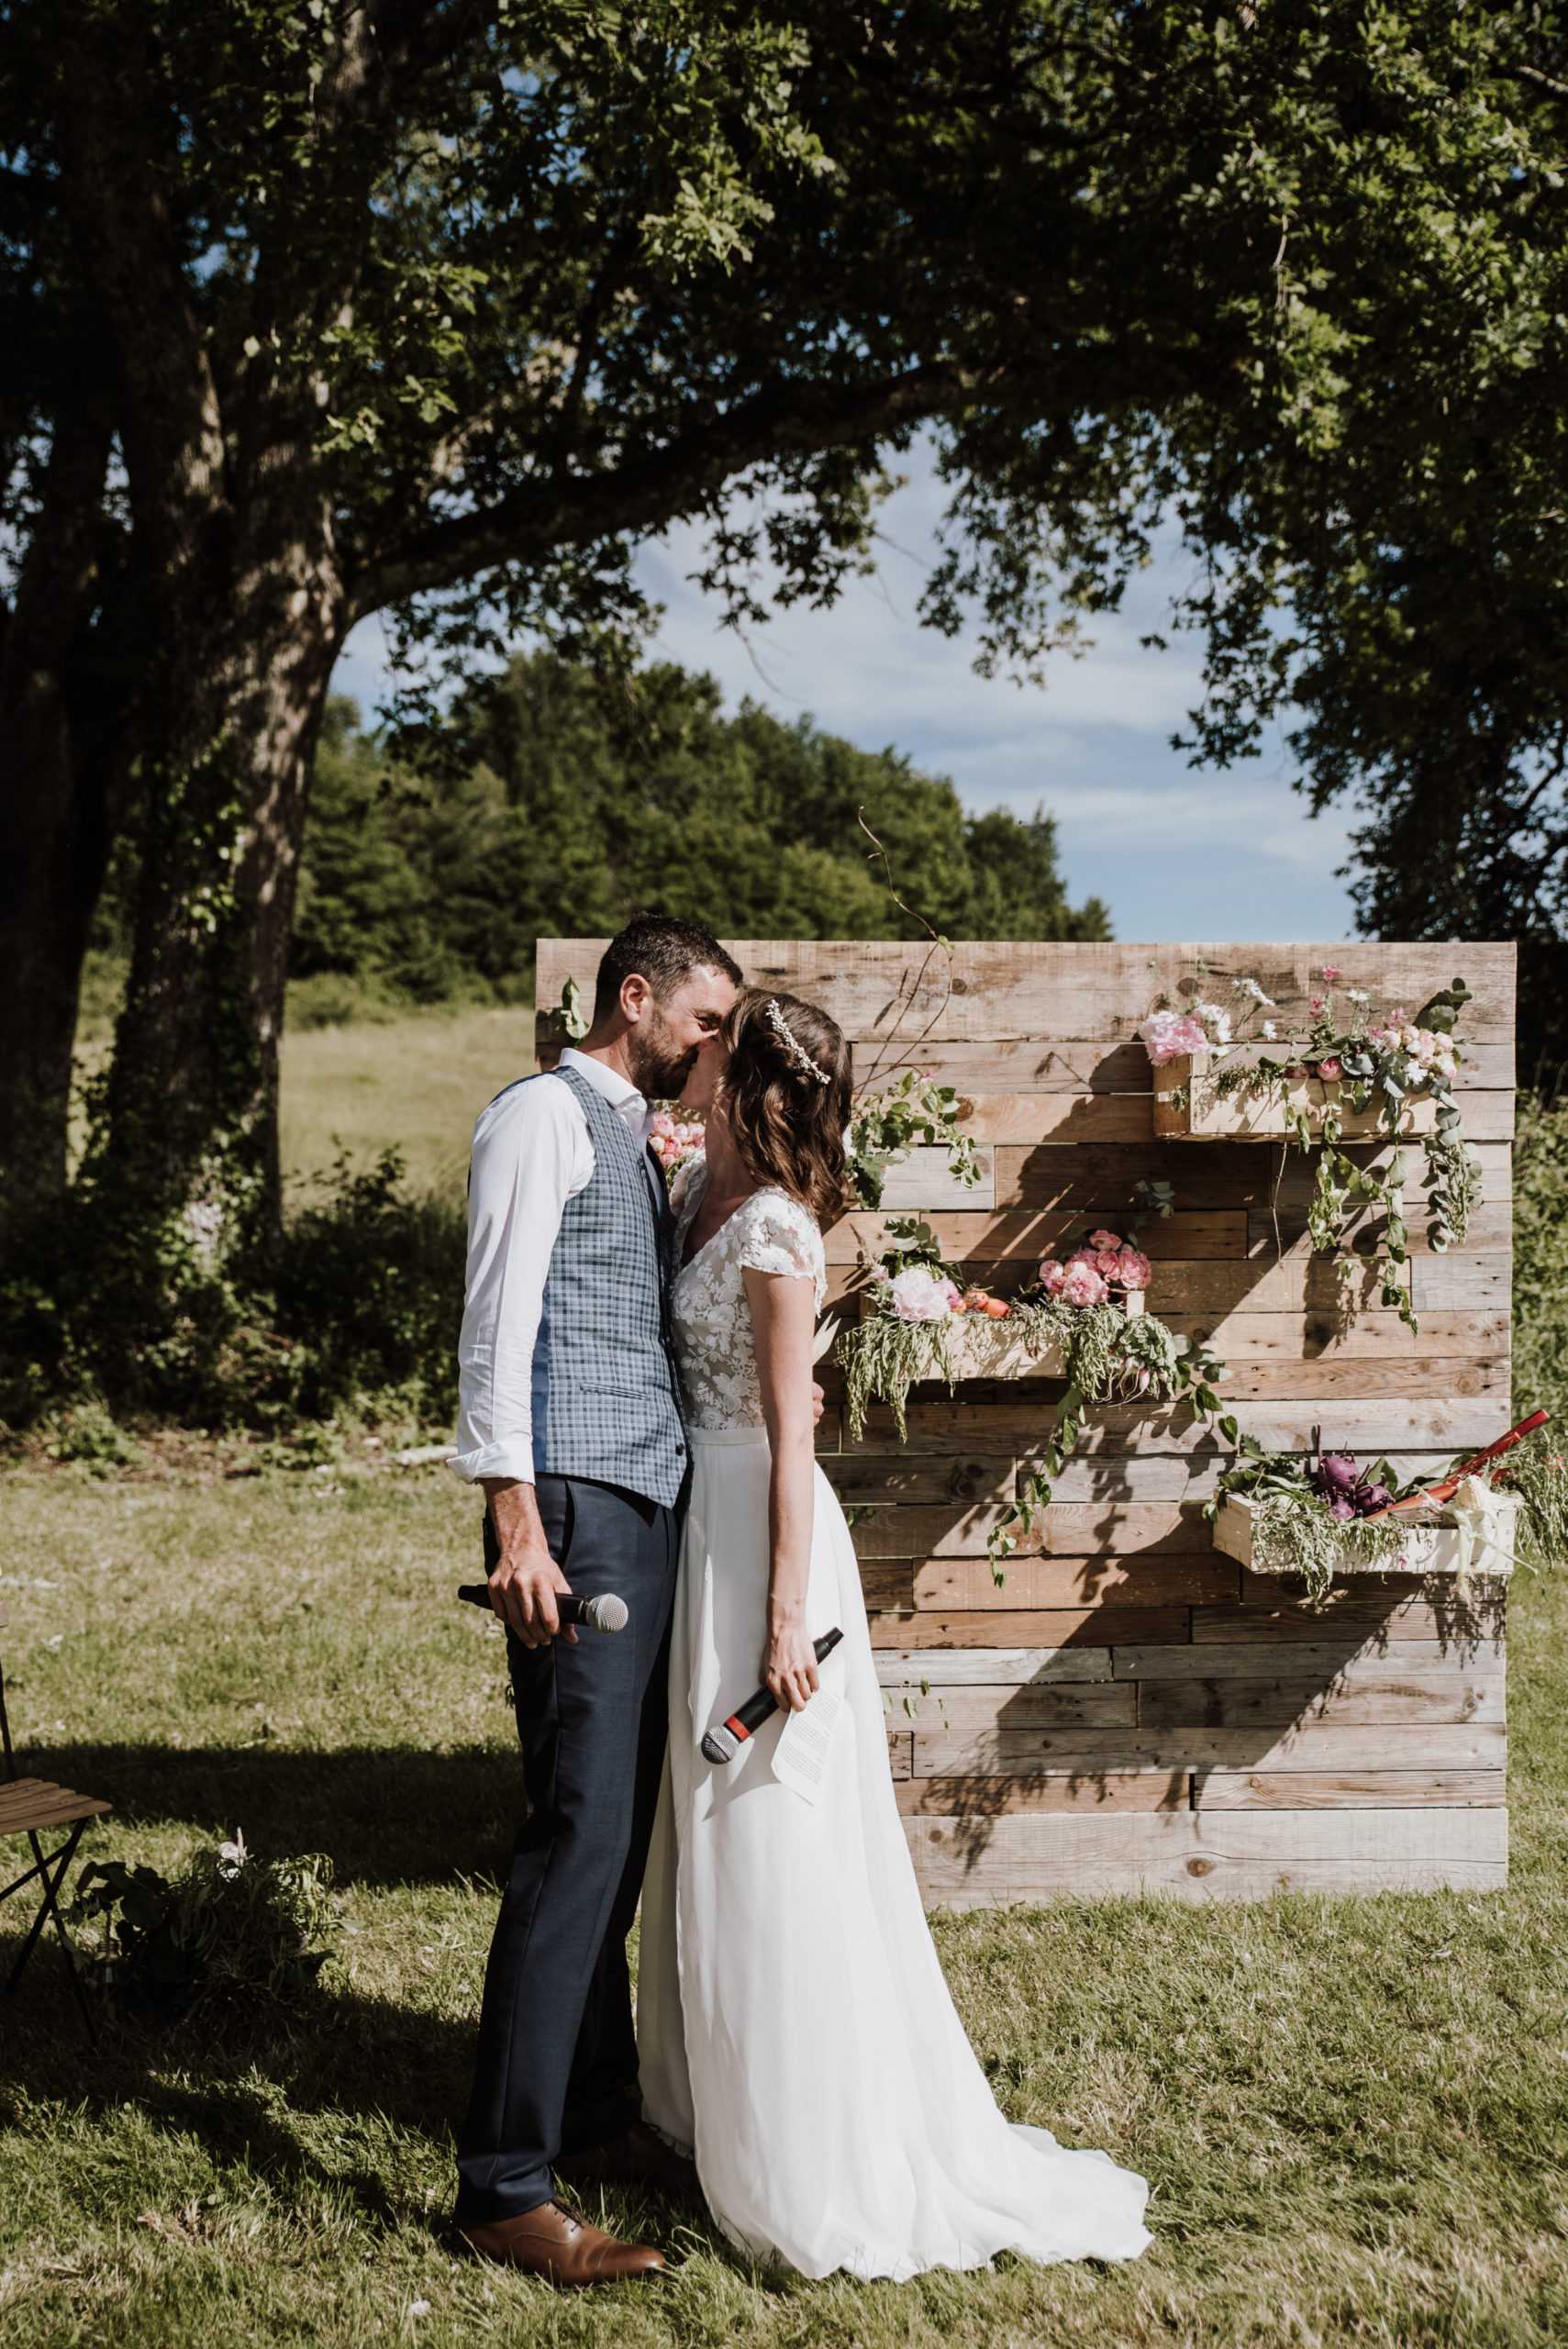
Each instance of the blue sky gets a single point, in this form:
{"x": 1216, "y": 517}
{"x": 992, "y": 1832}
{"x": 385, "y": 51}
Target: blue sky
{"x": 1176, "y": 852}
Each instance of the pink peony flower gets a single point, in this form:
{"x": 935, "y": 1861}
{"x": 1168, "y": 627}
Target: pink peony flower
{"x": 1330, "y": 972}
{"x": 1133, "y": 1269}
{"x": 1105, "y": 1239}
{"x": 921, "y": 1295}
{"x": 1330, "y": 1071}
{"x": 1052, "y": 1276}
{"x": 1106, "y": 1261}
{"x": 1083, "y": 1285}
{"x": 1168, "y": 1035}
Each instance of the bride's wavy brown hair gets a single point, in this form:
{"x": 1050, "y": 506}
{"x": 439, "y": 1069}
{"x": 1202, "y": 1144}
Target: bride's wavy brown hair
{"x": 787, "y": 1125}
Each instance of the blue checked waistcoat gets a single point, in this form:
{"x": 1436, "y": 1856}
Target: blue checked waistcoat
{"x": 605, "y": 1389}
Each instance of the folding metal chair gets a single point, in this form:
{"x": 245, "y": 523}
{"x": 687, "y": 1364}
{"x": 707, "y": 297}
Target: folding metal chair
{"x": 33, "y": 1808}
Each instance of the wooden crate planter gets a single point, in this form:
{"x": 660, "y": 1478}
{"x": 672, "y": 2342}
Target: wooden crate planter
{"x": 1189, "y": 1106}
{"x": 1133, "y": 1710}
{"x": 1430, "y": 1549}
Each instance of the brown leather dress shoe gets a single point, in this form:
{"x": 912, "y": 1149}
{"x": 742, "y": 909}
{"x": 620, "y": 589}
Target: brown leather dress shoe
{"x": 637, "y": 2157}
{"x": 556, "y": 2242}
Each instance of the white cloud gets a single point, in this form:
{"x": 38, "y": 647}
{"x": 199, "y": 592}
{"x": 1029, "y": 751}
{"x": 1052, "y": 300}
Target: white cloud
{"x": 1175, "y": 852}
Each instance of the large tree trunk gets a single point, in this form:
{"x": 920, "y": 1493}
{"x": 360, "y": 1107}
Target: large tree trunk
{"x": 64, "y": 755}
{"x": 194, "y": 1089}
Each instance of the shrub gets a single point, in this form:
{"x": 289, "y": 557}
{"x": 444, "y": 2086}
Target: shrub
{"x": 1540, "y": 1256}
{"x": 230, "y": 1937}
{"x": 103, "y": 1306}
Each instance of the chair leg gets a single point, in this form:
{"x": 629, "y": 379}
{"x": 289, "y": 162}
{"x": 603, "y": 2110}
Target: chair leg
{"x": 49, "y": 1908}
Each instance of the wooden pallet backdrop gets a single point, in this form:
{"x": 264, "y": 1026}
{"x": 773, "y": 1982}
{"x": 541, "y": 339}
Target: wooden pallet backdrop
{"x": 1131, "y": 1710}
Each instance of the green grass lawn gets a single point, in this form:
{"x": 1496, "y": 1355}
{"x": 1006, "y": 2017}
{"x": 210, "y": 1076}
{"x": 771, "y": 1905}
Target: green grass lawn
{"x": 418, "y": 1082}
{"x": 1354, "y": 2114}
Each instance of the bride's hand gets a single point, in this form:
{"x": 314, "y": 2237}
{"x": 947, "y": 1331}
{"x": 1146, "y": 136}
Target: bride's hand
{"x": 789, "y": 1666}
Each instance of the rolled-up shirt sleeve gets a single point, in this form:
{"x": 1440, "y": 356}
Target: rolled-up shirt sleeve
{"x": 531, "y": 1153}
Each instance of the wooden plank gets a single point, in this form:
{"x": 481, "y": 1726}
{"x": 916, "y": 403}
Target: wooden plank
{"x": 1067, "y": 1528}
{"x": 1094, "y": 1627}
{"x": 1364, "y": 1700}
{"x": 1272, "y": 1234}
{"x": 963, "y": 1713}
{"x": 1313, "y": 1746}
{"x": 979, "y": 1798}
{"x": 1020, "y": 1237}
{"x": 1114, "y": 1430}
{"x": 1484, "y": 1380}
{"x": 913, "y": 1477}
{"x": 1021, "y": 1856}
{"x": 993, "y": 1668}
{"x": 1245, "y": 1338}
{"x": 899, "y": 1754}
{"x": 1339, "y": 1790}
{"x": 1066, "y": 1064}
{"x": 926, "y": 1180}
{"x": 1078, "y": 1177}
{"x": 1025, "y": 1118}
{"x": 1100, "y": 1581}
{"x": 1327, "y": 1657}
{"x": 1460, "y": 1284}
{"x": 883, "y": 989}
{"x": 1394, "y": 1618}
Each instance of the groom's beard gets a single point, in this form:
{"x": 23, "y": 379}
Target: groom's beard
{"x": 659, "y": 1066}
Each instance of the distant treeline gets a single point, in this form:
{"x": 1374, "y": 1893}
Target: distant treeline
{"x": 557, "y": 801}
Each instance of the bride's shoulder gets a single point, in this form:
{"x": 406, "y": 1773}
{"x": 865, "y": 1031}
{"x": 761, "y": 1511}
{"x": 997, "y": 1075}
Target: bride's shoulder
{"x": 780, "y": 1234}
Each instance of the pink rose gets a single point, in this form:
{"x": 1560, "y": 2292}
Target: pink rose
{"x": 1331, "y": 972}
{"x": 921, "y": 1295}
{"x": 1105, "y": 1239}
{"x": 1107, "y": 1260}
{"x": 1330, "y": 1071}
{"x": 1083, "y": 1285}
{"x": 1052, "y": 1276}
{"x": 1133, "y": 1269}
{"x": 1168, "y": 1035}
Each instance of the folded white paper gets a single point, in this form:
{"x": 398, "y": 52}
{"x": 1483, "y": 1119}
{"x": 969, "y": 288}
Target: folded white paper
{"x": 800, "y": 1756}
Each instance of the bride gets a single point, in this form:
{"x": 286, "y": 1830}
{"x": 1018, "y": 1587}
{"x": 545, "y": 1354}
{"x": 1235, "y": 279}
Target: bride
{"x": 794, "y": 2026}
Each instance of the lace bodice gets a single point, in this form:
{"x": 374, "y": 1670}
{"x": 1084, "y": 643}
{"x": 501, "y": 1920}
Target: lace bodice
{"x": 771, "y": 1233}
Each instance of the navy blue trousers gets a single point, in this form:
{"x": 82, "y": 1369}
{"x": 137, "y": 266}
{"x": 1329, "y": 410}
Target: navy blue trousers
{"x": 557, "y": 2053}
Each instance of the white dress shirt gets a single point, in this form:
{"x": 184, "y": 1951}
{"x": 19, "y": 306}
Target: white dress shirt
{"x": 531, "y": 1153}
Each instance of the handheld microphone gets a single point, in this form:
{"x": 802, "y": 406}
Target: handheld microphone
{"x": 723, "y": 1744}
{"x": 606, "y": 1614}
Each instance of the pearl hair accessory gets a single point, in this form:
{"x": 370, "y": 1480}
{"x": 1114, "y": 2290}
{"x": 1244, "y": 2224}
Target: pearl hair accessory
{"x": 794, "y": 1046}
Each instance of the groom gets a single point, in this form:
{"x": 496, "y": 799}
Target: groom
{"x": 570, "y": 1418}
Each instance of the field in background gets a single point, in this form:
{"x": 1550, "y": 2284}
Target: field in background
{"x": 360, "y": 1077}
{"x": 1354, "y": 2112}
{"x": 416, "y": 1082}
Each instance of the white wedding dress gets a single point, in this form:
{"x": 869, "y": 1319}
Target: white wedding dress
{"x": 794, "y": 2026}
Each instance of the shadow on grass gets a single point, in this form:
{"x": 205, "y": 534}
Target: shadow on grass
{"x": 383, "y": 1815}
{"x": 356, "y": 2066}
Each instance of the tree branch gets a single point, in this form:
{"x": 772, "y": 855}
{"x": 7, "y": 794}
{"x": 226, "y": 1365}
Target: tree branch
{"x": 654, "y": 488}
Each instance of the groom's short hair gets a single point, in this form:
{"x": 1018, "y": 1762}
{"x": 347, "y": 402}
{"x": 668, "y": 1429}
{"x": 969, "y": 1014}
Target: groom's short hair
{"x": 665, "y": 950}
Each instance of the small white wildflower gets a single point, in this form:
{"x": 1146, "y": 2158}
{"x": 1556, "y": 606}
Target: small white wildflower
{"x": 1250, "y": 987}
{"x": 1270, "y": 1030}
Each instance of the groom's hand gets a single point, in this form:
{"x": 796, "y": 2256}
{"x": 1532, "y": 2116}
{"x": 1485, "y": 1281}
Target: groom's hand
{"x": 526, "y": 1579}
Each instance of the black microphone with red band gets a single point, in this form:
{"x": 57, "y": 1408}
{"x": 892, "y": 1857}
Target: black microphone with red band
{"x": 606, "y": 1614}
{"x": 723, "y": 1744}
